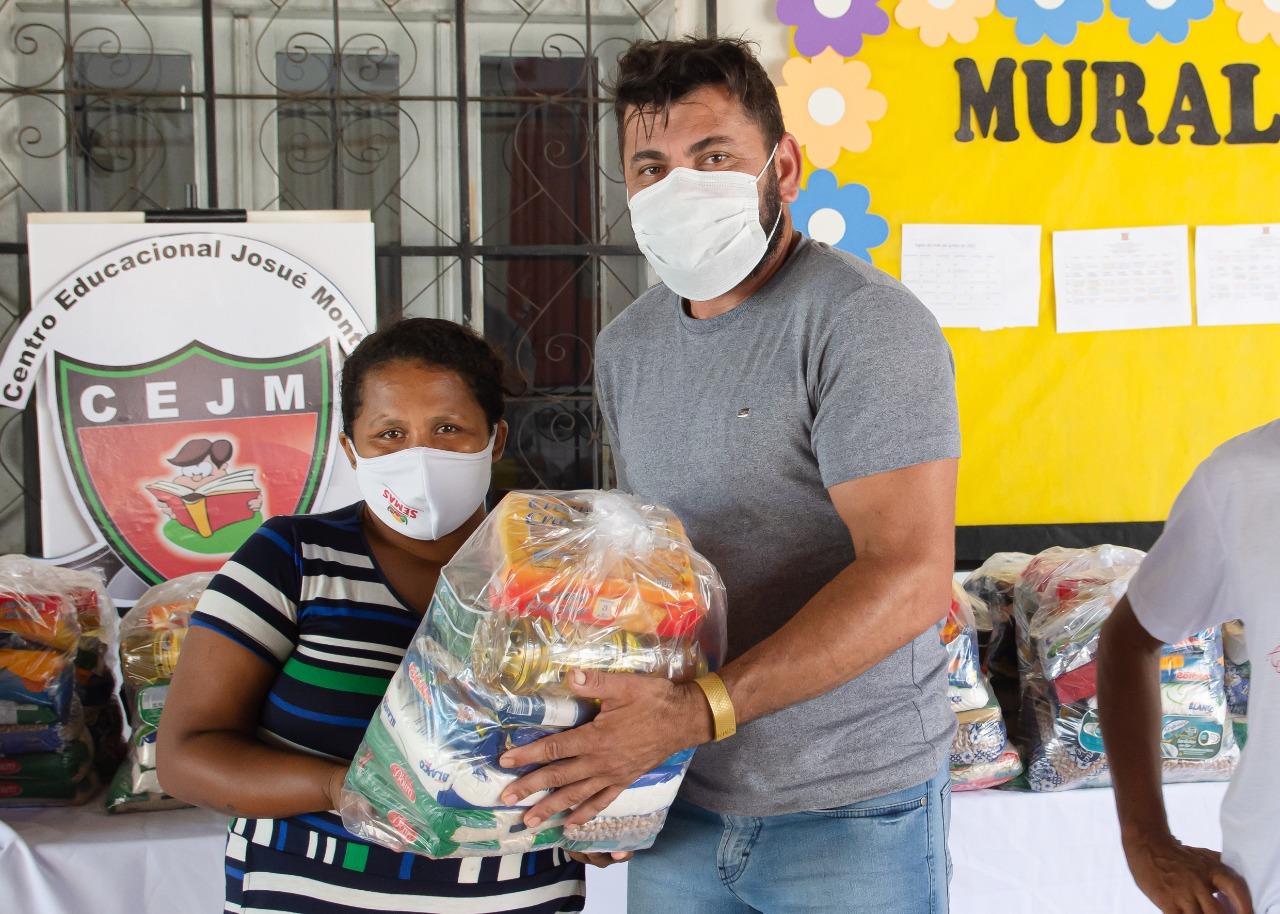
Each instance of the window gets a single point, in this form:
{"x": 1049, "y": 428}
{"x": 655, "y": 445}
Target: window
{"x": 475, "y": 131}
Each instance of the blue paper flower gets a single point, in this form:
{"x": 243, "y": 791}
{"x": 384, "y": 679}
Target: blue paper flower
{"x": 1057, "y": 20}
{"x": 840, "y": 216}
{"x": 1170, "y": 19}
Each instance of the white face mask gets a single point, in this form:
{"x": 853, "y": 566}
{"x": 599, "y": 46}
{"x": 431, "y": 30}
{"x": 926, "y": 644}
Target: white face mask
{"x": 700, "y": 230}
{"x": 423, "y": 492}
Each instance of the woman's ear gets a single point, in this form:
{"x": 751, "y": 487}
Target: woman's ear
{"x": 499, "y": 439}
{"x": 348, "y": 447}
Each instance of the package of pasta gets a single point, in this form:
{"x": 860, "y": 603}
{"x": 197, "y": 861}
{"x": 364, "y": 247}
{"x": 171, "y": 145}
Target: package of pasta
{"x": 59, "y": 778}
{"x": 151, "y": 636}
{"x": 1063, "y": 598}
{"x": 550, "y": 582}
{"x": 985, "y": 775}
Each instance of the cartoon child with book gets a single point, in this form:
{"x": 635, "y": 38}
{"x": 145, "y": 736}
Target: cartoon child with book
{"x": 207, "y": 496}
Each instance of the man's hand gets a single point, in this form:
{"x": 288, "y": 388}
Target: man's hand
{"x": 643, "y": 721}
{"x": 601, "y": 860}
{"x": 1182, "y": 880}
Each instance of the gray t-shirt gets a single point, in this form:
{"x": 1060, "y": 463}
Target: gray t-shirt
{"x": 832, "y": 371}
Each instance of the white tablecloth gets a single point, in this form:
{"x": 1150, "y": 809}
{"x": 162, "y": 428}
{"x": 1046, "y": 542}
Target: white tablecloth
{"x": 1014, "y": 854}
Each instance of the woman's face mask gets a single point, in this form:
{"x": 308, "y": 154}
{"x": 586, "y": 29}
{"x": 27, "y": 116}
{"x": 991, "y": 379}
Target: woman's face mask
{"x": 422, "y": 449}
{"x": 423, "y": 492}
{"x": 700, "y": 230}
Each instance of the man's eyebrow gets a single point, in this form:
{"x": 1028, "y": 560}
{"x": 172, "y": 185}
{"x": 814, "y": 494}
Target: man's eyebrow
{"x": 718, "y": 140}
{"x": 648, "y": 155}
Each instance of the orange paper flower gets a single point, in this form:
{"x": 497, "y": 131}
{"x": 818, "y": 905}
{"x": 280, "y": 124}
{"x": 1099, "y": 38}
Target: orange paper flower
{"x": 1259, "y": 19}
{"x": 939, "y": 20}
{"x": 828, "y": 103}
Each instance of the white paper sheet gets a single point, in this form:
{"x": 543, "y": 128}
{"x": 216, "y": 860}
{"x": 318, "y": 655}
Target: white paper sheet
{"x": 1237, "y": 274}
{"x": 1122, "y": 279}
{"x": 985, "y": 276}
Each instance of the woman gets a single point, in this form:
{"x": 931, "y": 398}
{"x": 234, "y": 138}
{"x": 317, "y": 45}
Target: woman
{"x": 294, "y": 643}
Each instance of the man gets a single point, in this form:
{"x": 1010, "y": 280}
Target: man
{"x": 1217, "y": 560}
{"x": 796, "y": 408}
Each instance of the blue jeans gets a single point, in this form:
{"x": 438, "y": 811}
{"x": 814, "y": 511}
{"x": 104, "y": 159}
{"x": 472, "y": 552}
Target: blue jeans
{"x": 883, "y": 856}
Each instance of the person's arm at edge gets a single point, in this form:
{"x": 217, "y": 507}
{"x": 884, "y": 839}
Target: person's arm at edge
{"x": 1178, "y": 879}
{"x": 208, "y": 753}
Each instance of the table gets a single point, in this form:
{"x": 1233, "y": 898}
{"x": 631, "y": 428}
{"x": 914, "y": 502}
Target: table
{"x": 1014, "y": 853}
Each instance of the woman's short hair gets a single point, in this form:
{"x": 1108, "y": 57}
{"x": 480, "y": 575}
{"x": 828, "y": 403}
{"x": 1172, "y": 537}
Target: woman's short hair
{"x": 436, "y": 344}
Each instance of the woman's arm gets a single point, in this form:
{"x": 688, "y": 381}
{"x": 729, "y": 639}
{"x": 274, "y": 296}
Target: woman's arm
{"x": 208, "y": 753}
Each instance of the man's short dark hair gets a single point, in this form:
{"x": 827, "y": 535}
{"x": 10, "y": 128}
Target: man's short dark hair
{"x": 653, "y": 75}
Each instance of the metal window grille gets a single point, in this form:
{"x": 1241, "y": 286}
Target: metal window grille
{"x": 478, "y": 132}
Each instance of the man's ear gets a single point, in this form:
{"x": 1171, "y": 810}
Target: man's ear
{"x": 789, "y": 166}
{"x": 499, "y": 439}
{"x": 348, "y": 447}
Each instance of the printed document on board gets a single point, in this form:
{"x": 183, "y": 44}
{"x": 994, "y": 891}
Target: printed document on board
{"x": 1122, "y": 279}
{"x": 985, "y": 276}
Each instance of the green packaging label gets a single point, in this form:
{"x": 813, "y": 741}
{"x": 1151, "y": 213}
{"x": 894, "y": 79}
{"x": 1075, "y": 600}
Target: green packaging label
{"x": 1182, "y": 738}
{"x": 450, "y": 622}
{"x": 1190, "y": 738}
{"x": 151, "y": 702}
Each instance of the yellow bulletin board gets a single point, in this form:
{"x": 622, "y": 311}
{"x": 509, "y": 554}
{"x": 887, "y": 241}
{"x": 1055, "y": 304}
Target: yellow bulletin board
{"x": 1074, "y": 429}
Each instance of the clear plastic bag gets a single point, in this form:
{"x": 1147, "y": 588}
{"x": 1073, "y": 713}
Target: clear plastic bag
{"x": 994, "y": 585}
{"x": 39, "y": 639}
{"x": 97, "y": 664}
{"x": 966, "y": 687}
{"x": 151, "y": 636}
{"x": 981, "y": 739}
{"x": 550, "y": 582}
{"x": 1063, "y": 598}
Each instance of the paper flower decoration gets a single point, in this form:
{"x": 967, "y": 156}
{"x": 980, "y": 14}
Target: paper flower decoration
{"x": 1170, "y": 19}
{"x": 1259, "y": 19}
{"x": 939, "y": 20}
{"x": 836, "y": 24}
{"x": 840, "y": 216}
{"x": 828, "y": 103}
{"x": 1057, "y": 20}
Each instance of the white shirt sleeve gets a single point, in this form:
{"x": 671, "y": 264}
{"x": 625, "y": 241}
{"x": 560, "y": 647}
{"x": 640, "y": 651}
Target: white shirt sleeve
{"x": 1180, "y": 587}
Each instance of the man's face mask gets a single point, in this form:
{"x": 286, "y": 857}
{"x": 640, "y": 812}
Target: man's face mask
{"x": 700, "y": 230}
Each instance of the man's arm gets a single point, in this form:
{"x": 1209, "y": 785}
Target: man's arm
{"x": 903, "y": 527}
{"x": 1177, "y": 879}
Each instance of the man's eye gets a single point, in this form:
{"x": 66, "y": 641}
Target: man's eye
{"x": 391, "y": 434}
{"x": 717, "y": 158}
{"x": 650, "y": 171}
{"x": 447, "y": 429}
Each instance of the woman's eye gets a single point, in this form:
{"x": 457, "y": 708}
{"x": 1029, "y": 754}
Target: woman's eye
{"x": 447, "y": 429}
{"x": 391, "y": 434}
